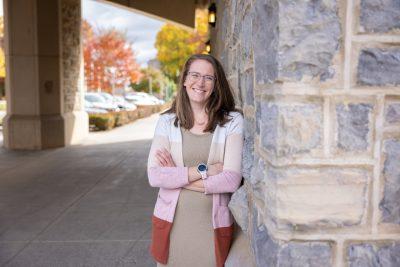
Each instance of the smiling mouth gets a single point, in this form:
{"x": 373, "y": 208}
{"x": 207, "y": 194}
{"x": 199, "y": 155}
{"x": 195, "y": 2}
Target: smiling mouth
{"x": 198, "y": 90}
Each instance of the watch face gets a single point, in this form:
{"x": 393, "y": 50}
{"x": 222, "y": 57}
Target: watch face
{"x": 202, "y": 168}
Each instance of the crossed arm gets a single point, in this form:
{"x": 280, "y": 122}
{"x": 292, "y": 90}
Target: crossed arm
{"x": 164, "y": 159}
{"x": 222, "y": 177}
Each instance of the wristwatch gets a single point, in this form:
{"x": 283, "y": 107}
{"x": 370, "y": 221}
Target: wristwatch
{"x": 202, "y": 169}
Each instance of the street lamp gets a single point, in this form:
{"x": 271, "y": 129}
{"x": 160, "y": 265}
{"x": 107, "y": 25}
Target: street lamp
{"x": 212, "y": 14}
{"x": 208, "y": 47}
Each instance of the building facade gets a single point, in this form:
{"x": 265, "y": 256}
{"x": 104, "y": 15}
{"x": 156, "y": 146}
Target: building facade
{"x": 319, "y": 84}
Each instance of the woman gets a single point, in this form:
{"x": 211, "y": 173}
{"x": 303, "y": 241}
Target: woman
{"x": 195, "y": 160}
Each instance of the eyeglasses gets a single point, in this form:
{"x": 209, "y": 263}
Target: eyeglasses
{"x": 195, "y": 76}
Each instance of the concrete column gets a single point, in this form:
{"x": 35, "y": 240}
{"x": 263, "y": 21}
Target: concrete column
{"x": 44, "y": 74}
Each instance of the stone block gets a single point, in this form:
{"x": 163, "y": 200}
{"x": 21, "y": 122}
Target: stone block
{"x": 390, "y": 203}
{"x": 271, "y": 252}
{"x": 248, "y": 147}
{"x": 258, "y": 116}
{"x": 247, "y": 87}
{"x": 256, "y": 178}
{"x": 246, "y": 39}
{"x": 392, "y": 113}
{"x": 379, "y": 16}
{"x": 354, "y": 126}
{"x": 309, "y": 40}
{"x": 232, "y": 64}
{"x": 291, "y": 128}
{"x": 265, "y": 248}
{"x": 265, "y": 40}
{"x": 299, "y": 254}
{"x": 269, "y": 113}
{"x": 239, "y": 207}
{"x": 316, "y": 198}
{"x": 385, "y": 254}
{"x": 379, "y": 67}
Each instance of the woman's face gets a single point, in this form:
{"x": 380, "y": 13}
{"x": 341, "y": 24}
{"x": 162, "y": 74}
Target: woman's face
{"x": 200, "y": 80}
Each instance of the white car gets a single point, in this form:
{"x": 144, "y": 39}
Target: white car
{"x": 123, "y": 104}
{"x": 99, "y": 101}
{"x": 89, "y": 108}
{"x": 152, "y": 97}
{"x": 139, "y": 99}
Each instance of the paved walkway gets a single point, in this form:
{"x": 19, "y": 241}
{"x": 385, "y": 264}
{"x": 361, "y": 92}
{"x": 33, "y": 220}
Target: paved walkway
{"x": 86, "y": 205}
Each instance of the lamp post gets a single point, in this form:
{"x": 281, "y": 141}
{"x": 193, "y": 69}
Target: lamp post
{"x": 112, "y": 70}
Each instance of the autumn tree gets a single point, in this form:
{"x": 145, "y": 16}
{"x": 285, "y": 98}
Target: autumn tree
{"x": 175, "y": 44}
{"x": 109, "y": 59}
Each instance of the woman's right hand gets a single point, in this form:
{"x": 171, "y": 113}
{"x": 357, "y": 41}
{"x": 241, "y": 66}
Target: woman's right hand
{"x": 215, "y": 169}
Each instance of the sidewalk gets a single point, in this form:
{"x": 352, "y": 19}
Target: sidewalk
{"x": 86, "y": 205}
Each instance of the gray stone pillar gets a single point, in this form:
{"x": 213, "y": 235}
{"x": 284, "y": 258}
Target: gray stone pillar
{"x": 44, "y": 74}
{"x": 319, "y": 85}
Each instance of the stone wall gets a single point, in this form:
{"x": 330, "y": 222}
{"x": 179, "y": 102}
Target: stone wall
{"x": 319, "y": 84}
{"x": 71, "y": 55}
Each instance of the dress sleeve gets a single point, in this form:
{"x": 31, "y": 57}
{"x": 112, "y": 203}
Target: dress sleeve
{"x": 229, "y": 179}
{"x": 164, "y": 177}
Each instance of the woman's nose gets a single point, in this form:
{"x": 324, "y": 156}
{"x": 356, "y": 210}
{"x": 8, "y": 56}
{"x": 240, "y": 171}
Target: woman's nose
{"x": 201, "y": 81}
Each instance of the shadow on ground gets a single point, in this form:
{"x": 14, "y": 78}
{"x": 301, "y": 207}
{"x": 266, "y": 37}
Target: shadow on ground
{"x": 76, "y": 206}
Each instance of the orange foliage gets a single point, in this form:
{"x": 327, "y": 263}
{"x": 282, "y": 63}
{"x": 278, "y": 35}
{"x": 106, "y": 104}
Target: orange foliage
{"x": 109, "y": 59}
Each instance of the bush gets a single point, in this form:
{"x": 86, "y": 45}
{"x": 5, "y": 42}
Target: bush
{"x": 133, "y": 115}
{"x": 102, "y": 121}
{"x": 121, "y": 118}
{"x": 110, "y": 120}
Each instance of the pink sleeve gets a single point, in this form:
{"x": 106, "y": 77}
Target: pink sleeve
{"x": 168, "y": 177}
{"x": 164, "y": 177}
{"x": 225, "y": 182}
{"x": 228, "y": 181}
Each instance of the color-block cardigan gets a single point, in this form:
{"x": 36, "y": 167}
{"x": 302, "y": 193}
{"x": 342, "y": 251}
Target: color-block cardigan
{"x": 226, "y": 147}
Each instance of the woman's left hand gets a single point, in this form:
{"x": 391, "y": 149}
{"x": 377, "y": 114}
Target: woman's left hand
{"x": 164, "y": 158}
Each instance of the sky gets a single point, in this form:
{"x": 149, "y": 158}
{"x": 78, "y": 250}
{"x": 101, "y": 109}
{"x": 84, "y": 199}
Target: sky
{"x": 141, "y": 30}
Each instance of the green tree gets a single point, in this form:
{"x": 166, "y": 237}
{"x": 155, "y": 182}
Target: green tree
{"x": 175, "y": 44}
{"x": 160, "y": 84}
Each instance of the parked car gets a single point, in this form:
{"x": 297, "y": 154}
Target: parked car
{"x": 152, "y": 97}
{"x": 98, "y": 101}
{"x": 123, "y": 104}
{"x": 139, "y": 99}
{"x": 91, "y": 109}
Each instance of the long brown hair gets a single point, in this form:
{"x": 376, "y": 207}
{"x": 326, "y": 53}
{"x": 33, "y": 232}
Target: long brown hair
{"x": 219, "y": 104}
